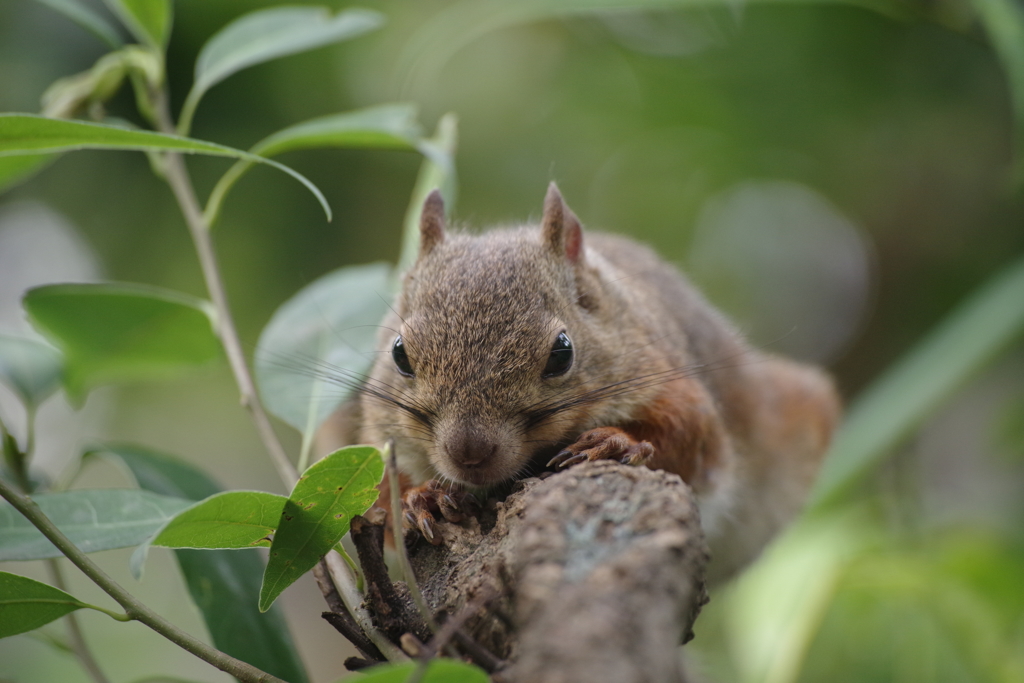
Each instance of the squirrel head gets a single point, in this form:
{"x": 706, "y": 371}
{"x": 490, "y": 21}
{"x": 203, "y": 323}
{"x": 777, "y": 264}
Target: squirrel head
{"x": 489, "y": 333}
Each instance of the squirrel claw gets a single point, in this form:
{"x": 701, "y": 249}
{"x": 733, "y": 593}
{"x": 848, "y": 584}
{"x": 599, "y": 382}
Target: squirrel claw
{"x": 408, "y": 520}
{"x": 560, "y": 458}
{"x": 571, "y": 460}
{"x": 427, "y": 528}
{"x": 638, "y": 454}
{"x": 432, "y": 502}
{"x": 604, "y": 443}
{"x": 449, "y": 508}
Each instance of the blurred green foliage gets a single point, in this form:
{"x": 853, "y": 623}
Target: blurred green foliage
{"x": 903, "y": 120}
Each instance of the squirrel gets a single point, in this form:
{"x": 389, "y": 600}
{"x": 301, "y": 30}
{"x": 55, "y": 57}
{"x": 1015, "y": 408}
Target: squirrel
{"x": 540, "y": 346}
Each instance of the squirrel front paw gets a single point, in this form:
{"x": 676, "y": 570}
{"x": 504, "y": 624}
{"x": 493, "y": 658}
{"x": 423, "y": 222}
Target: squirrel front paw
{"x": 422, "y": 504}
{"x": 604, "y": 443}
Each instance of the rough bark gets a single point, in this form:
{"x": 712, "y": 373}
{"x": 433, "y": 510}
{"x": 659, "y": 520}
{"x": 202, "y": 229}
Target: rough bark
{"x": 597, "y": 575}
{"x": 392, "y": 607}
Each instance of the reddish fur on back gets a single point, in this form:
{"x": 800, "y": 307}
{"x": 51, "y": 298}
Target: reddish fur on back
{"x": 685, "y": 429}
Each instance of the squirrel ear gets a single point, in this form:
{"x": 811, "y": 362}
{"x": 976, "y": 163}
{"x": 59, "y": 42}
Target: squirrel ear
{"x": 560, "y": 227}
{"x": 431, "y": 223}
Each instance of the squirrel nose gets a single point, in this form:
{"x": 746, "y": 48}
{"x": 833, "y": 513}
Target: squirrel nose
{"x": 468, "y": 449}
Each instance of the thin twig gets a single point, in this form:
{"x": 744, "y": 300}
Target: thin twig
{"x": 451, "y": 630}
{"x": 342, "y": 577}
{"x": 181, "y": 185}
{"x": 21, "y": 458}
{"x": 391, "y": 460}
{"x": 480, "y": 655}
{"x": 78, "y": 645}
{"x": 134, "y": 608}
{"x": 347, "y": 627}
{"x": 358, "y": 663}
{"x": 412, "y": 645}
{"x": 327, "y": 588}
{"x": 391, "y": 609}
{"x": 30, "y": 436}
{"x": 419, "y": 672}
{"x": 339, "y": 617}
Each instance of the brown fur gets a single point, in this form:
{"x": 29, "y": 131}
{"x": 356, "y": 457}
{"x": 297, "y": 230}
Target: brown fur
{"x": 685, "y": 430}
{"x": 652, "y": 360}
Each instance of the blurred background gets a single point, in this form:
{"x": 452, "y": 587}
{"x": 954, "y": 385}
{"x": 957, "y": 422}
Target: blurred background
{"x": 837, "y": 179}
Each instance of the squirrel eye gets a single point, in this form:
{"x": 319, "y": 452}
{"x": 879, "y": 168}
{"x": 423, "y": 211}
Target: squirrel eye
{"x": 560, "y": 359}
{"x": 401, "y": 358}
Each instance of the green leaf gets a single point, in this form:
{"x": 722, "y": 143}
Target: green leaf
{"x": 85, "y": 17}
{"x": 12, "y": 455}
{"x": 318, "y": 513}
{"x": 27, "y": 604}
{"x": 93, "y": 520}
{"x": 437, "y": 172}
{"x": 389, "y": 126}
{"x": 774, "y": 610}
{"x": 68, "y": 97}
{"x": 275, "y": 32}
{"x": 461, "y": 24}
{"x": 267, "y": 34}
{"x": 148, "y": 20}
{"x": 121, "y": 332}
{"x": 13, "y": 170}
{"x": 29, "y": 368}
{"x": 905, "y": 579}
{"x": 230, "y": 520}
{"x": 22, "y": 134}
{"x": 319, "y": 342}
{"x": 223, "y": 584}
{"x": 159, "y": 472}
{"x": 905, "y": 395}
{"x": 1004, "y": 22}
{"x": 438, "y": 671}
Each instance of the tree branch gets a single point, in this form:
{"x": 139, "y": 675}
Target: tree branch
{"x": 340, "y": 618}
{"x": 135, "y": 609}
{"x": 339, "y": 573}
{"x": 601, "y": 566}
{"x": 393, "y": 610}
{"x": 18, "y": 461}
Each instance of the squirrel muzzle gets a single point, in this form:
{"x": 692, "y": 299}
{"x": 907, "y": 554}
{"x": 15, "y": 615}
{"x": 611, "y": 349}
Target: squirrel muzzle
{"x": 475, "y": 454}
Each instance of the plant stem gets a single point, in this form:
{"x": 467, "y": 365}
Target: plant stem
{"x": 181, "y": 185}
{"x": 14, "y": 457}
{"x": 199, "y": 227}
{"x": 20, "y": 466}
{"x": 78, "y": 644}
{"x": 134, "y": 608}
{"x": 30, "y": 435}
{"x": 391, "y": 462}
{"x": 20, "y": 462}
{"x": 353, "y": 600}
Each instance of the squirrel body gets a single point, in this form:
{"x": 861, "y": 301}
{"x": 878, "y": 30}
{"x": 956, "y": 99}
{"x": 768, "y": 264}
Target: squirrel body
{"x": 505, "y": 349}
